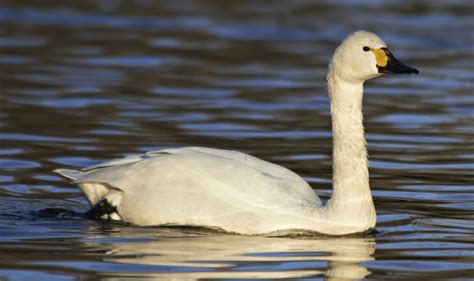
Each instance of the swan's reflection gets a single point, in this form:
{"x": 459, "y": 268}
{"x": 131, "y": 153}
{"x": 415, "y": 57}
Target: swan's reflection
{"x": 213, "y": 255}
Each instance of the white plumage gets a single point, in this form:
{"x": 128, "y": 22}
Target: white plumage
{"x": 239, "y": 193}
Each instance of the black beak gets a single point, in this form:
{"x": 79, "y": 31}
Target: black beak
{"x": 395, "y": 66}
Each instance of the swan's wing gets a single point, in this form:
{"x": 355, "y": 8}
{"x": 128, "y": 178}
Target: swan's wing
{"x": 242, "y": 158}
{"x": 116, "y": 162}
{"x": 96, "y": 187}
{"x": 196, "y": 166}
{"x": 199, "y": 186}
{"x": 79, "y": 175}
{"x": 113, "y": 167}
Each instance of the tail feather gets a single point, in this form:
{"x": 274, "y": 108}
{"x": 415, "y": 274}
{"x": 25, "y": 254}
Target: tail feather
{"x": 70, "y": 174}
{"x": 94, "y": 191}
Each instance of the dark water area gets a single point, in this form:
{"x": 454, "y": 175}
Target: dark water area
{"x": 86, "y": 81}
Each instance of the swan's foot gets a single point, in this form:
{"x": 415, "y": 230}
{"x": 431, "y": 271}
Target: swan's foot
{"x": 103, "y": 210}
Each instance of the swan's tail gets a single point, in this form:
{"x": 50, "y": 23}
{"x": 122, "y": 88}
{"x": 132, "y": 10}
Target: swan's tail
{"x": 103, "y": 197}
{"x": 93, "y": 191}
{"x": 70, "y": 174}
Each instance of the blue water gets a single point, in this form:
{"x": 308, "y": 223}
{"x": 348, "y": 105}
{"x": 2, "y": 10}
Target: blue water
{"x": 84, "y": 82}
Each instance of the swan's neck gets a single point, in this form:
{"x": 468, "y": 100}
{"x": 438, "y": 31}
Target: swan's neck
{"x": 351, "y": 191}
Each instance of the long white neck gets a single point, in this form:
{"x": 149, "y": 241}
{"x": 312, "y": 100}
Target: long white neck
{"x": 351, "y": 198}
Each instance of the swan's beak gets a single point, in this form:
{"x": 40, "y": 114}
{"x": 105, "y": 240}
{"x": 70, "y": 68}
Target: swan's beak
{"x": 387, "y": 63}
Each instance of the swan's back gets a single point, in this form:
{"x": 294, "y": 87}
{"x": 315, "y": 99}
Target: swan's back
{"x": 197, "y": 186}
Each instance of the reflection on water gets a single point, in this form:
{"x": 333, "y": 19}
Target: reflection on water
{"x": 183, "y": 253}
{"x": 244, "y": 256}
{"x": 84, "y": 82}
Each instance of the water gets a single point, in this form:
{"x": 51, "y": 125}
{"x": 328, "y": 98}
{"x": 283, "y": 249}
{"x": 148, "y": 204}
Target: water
{"x": 83, "y": 82}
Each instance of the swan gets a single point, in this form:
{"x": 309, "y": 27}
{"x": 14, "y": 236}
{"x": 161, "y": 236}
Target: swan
{"x": 239, "y": 193}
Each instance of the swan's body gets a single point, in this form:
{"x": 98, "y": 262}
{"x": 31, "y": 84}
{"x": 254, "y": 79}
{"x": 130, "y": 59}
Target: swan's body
{"x": 239, "y": 193}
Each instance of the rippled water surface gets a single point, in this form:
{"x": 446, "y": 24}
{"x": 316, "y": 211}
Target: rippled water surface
{"x": 85, "y": 81}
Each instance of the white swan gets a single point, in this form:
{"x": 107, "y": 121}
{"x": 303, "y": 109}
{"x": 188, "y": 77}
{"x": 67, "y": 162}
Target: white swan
{"x": 239, "y": 193}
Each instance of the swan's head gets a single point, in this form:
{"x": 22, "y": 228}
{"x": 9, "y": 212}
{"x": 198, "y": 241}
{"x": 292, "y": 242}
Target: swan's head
{"x": 362, "y": 56}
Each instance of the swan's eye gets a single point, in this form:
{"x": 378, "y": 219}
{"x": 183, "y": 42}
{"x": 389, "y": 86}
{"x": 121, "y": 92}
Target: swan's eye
{"x": 366, "y": 49}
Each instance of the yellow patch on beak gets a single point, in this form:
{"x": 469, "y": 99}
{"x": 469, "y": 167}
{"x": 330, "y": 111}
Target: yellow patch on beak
{"x": 380, "y": 56}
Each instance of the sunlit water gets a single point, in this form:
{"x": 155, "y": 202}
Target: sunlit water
{"x": 85, "y": 81}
